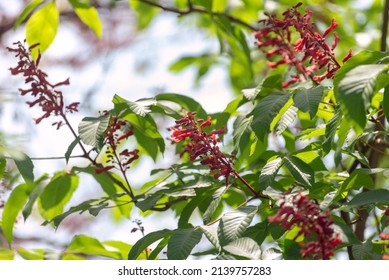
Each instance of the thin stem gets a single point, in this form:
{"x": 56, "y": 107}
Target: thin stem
{"x": 194, "y": 9}
{"x": 129, "y": 190}
{"x": 257, "y": 194}
{"x": 48, "y": 158}
{"x": 385, "y": 20}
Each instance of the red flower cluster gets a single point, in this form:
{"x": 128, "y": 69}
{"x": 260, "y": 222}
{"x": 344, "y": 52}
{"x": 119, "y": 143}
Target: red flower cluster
{"x": 309, "y": 54}
{"x": 43, "y": 92}
{"x": 118, "y": 130}
{"x": 298, "y": 210}
{"x": 203, "y": 145}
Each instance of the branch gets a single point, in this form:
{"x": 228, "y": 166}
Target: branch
{"x": 193, "y": 9}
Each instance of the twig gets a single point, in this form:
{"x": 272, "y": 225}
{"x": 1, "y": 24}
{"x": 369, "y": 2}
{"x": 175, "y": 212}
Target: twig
{"x": 194, "y": 9}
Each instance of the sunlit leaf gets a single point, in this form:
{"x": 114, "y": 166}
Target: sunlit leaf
{"x": 286, "y": 120}
{"x": 41, "y": 28}
{"x": 244, "y": 247}
{"x": 12, "y": 207}
{"x": 234, "y": 223}
{"x": 33, "y": 254}
{"x": 211, "y": 234}
{"x": 26, "y": 169}
{"x": 70, "y": 149}
{"x": 91, "y": 130}
{"x": 269, "y": 172}
{"x": 145, "y": 13}
{"x": 141, "y": 107}
{"x": 89, "y": 16}
{"x": 301, "y": 171}
{"x": 83, "y": 244}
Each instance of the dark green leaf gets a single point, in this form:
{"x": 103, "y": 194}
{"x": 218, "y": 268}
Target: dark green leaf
{"x": 355, "y": 91}
{"x": 12, "y": 207}
{"x": 148, "y": 202}
{"x": 216, "y": 199}
{"x": 34, "y": 194}
{"x": 241, "y": 125}
{"x": 372, "y": 196}
{"x": 301, "y": 171}
{"x": 272, "y": 83}
{"x": 331, "y": 128}
{"x": 70, "y": 149}
{"x": 234, "y": 223}
{"x": 26, "y": 168}
{"x": 3, "y": 164}
{"x": 266, "y": 111}
{"x": 308, "y": 100}
{"x": 385, "y": 103}
{"x": 146, "y": 241}
{"x": 182, "y": 242}
{"x": 141, "y": 107}
{"x": 357, "y": 179}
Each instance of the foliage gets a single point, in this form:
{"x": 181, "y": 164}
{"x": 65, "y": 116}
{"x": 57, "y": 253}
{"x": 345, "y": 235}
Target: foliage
{"x": 310, "y": 197}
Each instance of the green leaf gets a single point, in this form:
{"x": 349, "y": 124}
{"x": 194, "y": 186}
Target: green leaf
{"x": 308, "y": 100}
{"x": 357, "y": 179}
{"x": 216, "y": 199}
{"x": 269, "y": 172}
{"x": 312, "y": 159}
{"x": 187, "y": 103}
{"x": 83, "y": 244}
{"x": 190, "y": 207}
{"x": 234, "y": 223}
{"x": 211, "y": 234}
{"x": 41, "y": 28}
{"x": 146, "y": 241}
{"x": 70, "y": 149}
{"x": 141, "y": 107}
{"x": 26, "y": 12}
{"x": 219, "y": 5}
{"x": 182, "y": 242}
{"x": 12, "y": 207}
{"x": 33, "y": 254}
{"x": 57, "y": 194}
{"x": 89, "y": 16}
{"x": 266, "y": 110}
{"x": 385, "y": 103}
{"x": 6, "y": 254}
{"x": 244, "y": 247}
{"x": 287, "y": 119}
{"x": 363, "y": 251}
{"x": 355, "y": 91}
{"x": 3, "y": 164}
{"x": 36, "y": 191}
{"x": 91, "y": 130}
{"x": 330, "y": 131}
{"x": 26, "y": 168}
{"x": 372, "y": 196}
{"x": 272, "y": 83}
{"x": 301, "y": 171}
{"x": 241, "y": 125}
{"x": 145, "y": 13}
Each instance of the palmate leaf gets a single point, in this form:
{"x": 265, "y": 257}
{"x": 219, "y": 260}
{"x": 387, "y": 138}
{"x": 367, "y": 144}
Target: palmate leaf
{"x": 266, "y": 110}
{"x": 244, "y": 247}
{"x": 182, "y": 242}
{"x": 269, "y": 172}
{"x": 308, "y": 100}
{"x": 91, "y": 130}
{"x": 234, "y": 223}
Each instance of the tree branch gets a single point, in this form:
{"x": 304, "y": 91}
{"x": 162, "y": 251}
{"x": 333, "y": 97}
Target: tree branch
{"x": 193, "y": 9}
